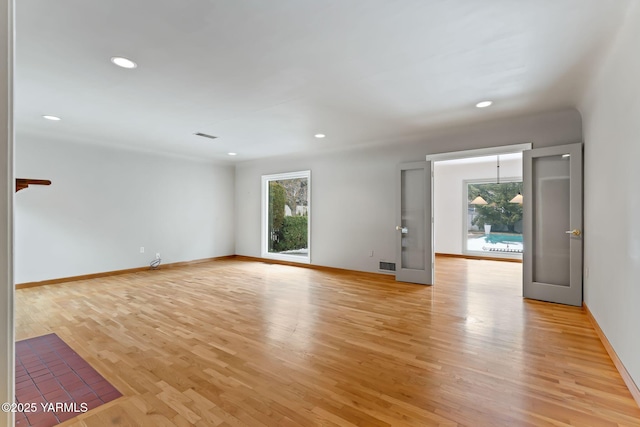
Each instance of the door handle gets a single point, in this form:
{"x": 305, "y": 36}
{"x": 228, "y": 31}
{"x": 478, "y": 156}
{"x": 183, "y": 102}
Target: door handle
{"x": 403, "y": 230}
{"x": 574, "y": 232}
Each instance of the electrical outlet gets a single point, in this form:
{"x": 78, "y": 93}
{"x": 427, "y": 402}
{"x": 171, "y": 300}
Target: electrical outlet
{"x": 371, "y": 253}
{"x": 141, "y": 249}
{"x": 157, "y": 255}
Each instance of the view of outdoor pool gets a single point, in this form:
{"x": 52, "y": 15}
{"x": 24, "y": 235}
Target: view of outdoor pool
{"x": 495, "y": 242}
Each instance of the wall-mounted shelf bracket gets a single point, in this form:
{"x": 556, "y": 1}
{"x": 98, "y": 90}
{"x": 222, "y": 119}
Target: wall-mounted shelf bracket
{"x": 22, "y": 183}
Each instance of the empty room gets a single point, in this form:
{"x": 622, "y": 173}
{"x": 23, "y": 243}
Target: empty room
{"x": 320, "y": 213}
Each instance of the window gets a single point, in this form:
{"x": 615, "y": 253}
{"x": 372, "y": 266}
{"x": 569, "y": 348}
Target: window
{"x": 286, "y": 216}
{"x": 493, "y": 218}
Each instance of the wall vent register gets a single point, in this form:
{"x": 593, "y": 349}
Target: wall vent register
{"x": 387, "y": 266}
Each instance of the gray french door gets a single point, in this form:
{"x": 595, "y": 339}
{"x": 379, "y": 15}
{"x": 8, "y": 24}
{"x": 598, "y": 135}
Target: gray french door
{"x": 414, "y": 250}
{"x": 552, "y": 217}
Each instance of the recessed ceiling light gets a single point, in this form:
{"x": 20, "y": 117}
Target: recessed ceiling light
{"x": 123, "y": 62}
{"x": 232, "y": 154}
{"x": 54, "y": 118}
{"x": 484, "y": 104}
{"x": 319, "y": 135}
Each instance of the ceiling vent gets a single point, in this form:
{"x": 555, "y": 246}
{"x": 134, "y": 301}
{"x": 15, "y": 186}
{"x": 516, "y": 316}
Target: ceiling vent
{"x": 204, "y": 135}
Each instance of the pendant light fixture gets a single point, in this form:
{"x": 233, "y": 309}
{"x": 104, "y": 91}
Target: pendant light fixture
{"x": 478, "y": 201}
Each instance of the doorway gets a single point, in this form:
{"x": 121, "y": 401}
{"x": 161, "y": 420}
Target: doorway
{"x": 477, "y": 210}
{"x": 551, "y": 216}
{"x": 477, "y": 207}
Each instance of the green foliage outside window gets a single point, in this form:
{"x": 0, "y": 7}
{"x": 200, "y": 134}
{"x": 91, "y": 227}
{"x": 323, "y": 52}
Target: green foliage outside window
{"x": 499, "y": 211}
{"x": 277, "y": 198}
{"x": 287, "y": 233}
{"x": 294, "y": 234}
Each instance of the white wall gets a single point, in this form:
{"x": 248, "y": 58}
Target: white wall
{"x": 448, "y": 211}
{"x": 353, "y": 192}
{"x": 104, "y": 204}
{"x": 611, "y": 112}
{"x": 7, "y": 372}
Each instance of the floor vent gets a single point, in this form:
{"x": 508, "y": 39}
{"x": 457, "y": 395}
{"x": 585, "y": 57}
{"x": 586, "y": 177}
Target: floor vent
{"x": 387, "y": 266}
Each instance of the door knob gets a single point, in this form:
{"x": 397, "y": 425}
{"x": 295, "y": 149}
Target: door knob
{"x": 574, "y": 232}
{"x": 403, "y": 230}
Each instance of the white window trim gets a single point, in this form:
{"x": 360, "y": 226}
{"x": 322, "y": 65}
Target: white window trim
{"x": 465, "y": 213}
{"x": 265, "y": 217}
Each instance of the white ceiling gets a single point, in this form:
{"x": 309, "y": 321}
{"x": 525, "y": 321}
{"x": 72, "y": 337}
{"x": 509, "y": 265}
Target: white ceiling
{"x": 265, "y": 76}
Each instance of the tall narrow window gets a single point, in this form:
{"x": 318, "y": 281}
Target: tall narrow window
{"x": 493, "y": 220}
{"x": 286, "y": 215}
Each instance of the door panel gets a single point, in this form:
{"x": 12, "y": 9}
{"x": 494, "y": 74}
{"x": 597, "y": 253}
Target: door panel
{"x": 552, "y": 259}
{"x": 414, "y": 253}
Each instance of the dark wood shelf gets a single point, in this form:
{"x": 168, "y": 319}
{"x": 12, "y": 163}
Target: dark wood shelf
{"x": 22, "y": 183}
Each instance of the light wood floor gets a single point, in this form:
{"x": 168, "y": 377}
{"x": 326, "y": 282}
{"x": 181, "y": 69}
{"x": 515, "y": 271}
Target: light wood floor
{"x": 244, "y": 343}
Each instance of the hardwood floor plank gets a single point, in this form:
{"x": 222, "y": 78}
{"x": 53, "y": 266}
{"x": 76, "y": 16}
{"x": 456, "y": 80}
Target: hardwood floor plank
{"x": 237, "y": 342}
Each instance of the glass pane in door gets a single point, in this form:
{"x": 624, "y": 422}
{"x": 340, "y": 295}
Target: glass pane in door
{"x": 551, "y": 182}
{"x": 413, "y": 190}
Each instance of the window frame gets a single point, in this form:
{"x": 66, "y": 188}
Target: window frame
{"x": 264, "y": 244}
{"x": 465, "y": 218}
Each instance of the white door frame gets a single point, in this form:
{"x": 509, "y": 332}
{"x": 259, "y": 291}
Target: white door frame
{"x": 7, "y": 189}
{"x": 480, "y": 152}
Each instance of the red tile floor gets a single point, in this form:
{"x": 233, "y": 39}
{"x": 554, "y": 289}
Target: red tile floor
{"x": 49, "y": 372}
